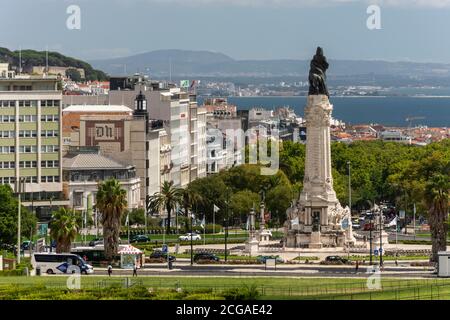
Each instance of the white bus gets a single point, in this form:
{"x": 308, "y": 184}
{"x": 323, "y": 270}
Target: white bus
{"x": 57, "y": 263}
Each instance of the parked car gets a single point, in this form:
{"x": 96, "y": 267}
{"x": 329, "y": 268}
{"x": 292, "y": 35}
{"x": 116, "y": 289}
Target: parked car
{"x": 140, "y": 238}
{"x": 263, "y": 259}
{"x": 336, "y": 259}
{"x": 188, "y": 236}
{"x": 158, "y": 254}
{"x": 205, "y": 256}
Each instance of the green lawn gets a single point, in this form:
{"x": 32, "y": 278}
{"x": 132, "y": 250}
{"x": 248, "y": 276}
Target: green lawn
{"x": 389, "y": 258}
{"x": 269, "y": 288}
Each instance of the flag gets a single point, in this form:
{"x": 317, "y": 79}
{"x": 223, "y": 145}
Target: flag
{"x": 184, "y": 83}
{"x": 295, "y": 221}
{"x": 203, "y": 223}
{"x": 393, "y": 222}
{"x": 216, "y": 208}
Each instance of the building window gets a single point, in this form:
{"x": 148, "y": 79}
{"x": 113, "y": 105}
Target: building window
{"x": 49, "y": 149}
{"x": 8, "y": 118}
{"x": 7, "y": 103}
{"x": 7, "y": 149}
{"x": 78, "y": 199}
{"x": 27, "y": 149}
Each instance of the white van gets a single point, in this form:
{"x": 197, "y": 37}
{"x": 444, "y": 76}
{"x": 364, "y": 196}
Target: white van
{"x": 57, "y": 263}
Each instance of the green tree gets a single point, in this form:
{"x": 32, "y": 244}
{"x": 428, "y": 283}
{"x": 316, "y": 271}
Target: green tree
{"x": 73, "y": 74}
{"x": 111, "y": 202}
{"x": 212, "y": 189}
{"x": 168, "y": 198}
{"x": 242, "y": 202}
{"x": 63, "y": 228}
{"x": 8, "y": 217}
{"x": 278, "y": 199}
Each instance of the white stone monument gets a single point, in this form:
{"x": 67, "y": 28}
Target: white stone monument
{"x": 316, "y": 219}
{"x": 252, "y": 244}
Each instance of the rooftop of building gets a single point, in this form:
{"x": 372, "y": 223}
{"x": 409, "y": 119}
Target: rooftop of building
{"x": 97, "y": 108}
{"x": 89, "y": 161}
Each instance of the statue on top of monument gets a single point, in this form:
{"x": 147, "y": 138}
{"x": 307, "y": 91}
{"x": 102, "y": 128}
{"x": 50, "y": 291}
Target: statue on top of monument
{"x": 317, "y": 76}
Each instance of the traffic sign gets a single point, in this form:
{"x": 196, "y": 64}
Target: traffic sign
{"x": 165, "y": 248}
{"x": 375, "y": 252}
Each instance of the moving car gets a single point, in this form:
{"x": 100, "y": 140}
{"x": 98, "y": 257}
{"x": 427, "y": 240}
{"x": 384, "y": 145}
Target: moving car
{"x": 54, "y": 263}
{"x": 158, "y": 254}
{"x": 263, "y": 259}
{"x": 205, "y": 256}
{"x": 98, "y": 241}
{"x": 95, "y": 242}
{"x": 337, "y": 259}
{"x": 27, "y": 245}
{"x": 188, "y": 236}
{"x": 140, "y": 238}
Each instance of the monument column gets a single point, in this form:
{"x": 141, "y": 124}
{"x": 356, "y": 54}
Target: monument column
{"x": 318, "y": 202}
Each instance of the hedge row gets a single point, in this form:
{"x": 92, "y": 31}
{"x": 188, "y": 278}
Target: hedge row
{"x": 209, "y": 229}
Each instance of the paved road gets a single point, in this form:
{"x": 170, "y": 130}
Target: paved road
{"x": 259, "y": 270}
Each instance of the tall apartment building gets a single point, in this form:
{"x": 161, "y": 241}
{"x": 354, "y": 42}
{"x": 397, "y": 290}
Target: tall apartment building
{"x": 184, "y": 123}
{"x": 30, "y": 140}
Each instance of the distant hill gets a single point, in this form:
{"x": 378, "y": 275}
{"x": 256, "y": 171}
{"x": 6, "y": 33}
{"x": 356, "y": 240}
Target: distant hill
{"x": 32, "y": 58}
{"x": 191, "y": 64}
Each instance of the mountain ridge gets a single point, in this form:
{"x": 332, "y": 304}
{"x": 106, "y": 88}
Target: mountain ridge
{"x": 179, "y": 63}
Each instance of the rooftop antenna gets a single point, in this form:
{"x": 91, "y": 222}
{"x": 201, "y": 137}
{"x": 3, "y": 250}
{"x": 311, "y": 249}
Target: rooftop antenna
{"x": 20, "y": 60}
{"x": 46, "y": 60}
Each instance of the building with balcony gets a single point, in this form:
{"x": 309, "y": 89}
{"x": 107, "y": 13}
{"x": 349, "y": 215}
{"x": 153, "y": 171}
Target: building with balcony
{"x": 85, "y": 167}
{"x": 30, "y": 140}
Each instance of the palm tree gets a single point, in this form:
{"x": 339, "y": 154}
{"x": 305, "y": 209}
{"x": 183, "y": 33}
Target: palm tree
{"x": 63, "y": 228}
{"x": 111, "y": 202}
{"x": 167, "y": 198}
{"x": 437, "y": 200}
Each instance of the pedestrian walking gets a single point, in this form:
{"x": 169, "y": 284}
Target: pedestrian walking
{"x": 356, "y": 266}
{"x": 134, "y": 270}
{"x": 109, "y": 270}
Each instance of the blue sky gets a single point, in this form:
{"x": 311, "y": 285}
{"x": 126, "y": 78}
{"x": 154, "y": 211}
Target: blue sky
{"x": 412, "y": 30}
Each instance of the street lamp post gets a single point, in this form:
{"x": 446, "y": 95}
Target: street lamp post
{"x": 380, "y": 212}
{"x": 370, "y": 237}
{"x": 226, "y": 224}
{"x": 349, "y": 188}
{"x": 192, "y": 246}
{"x": 20, "y": 188}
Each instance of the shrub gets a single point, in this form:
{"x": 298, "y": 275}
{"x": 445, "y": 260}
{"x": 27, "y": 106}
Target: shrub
{"x": 248, "y": 292}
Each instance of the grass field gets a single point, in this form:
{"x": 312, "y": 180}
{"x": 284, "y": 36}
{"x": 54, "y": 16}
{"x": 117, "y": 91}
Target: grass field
{"x": 269, "y": 288}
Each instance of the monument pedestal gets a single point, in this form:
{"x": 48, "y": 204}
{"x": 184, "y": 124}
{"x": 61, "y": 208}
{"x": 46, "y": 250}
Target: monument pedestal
{"x": 315, "y": 241}
{"x": 252, "y": 247}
